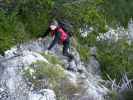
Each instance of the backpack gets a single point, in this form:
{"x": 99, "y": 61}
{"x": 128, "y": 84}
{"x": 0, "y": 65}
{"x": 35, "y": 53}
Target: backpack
{"x": 66, "y": 26}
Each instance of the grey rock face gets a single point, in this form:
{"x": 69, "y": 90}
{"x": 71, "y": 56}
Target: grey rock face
{"x": 130, "y": 30}
{"x": 11, "y": 79}
{"x": 93, "y": 65}
{"x": 84, "y": 86}
{"x": 45, "y": 94}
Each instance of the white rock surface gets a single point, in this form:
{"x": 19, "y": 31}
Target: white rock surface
{"x": 45, "y": 94}
{"x": 15, "y": 60}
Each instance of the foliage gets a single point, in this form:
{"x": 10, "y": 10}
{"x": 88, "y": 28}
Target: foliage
{"x": 46, "y": 75}
{"x": 31, "y": 17}
{"x": 115, "y": 58}
{"x": 53, "y": 59}
{"x": 11, "y": 31}
{"x": 83, "y": 52}
{"x": 113, "y": 95}
{"x": 81, "y": 13}
{"x": 53, "y": 72}
{"x": 121, "y": 90}
{"x": 128, "y": 94}
{"x": 21, "y": 20}
{"x": 35, "y": 15}
{"x": 118, "y": 11}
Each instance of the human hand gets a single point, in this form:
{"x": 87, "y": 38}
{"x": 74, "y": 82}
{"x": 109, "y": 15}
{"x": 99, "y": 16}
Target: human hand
{"x": 46, "y": 52}
{"x": 40, "y": 39}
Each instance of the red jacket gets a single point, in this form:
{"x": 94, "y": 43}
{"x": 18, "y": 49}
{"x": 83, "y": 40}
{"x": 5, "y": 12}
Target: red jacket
{"x": 63, "y": 34}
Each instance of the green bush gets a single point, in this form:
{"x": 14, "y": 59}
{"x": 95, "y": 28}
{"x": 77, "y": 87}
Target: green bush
{"x": 35, "y": 15}
{"x": 54, "y": 72}
{"x": 84, "y": 53}
{"x": 115, "y": 59}
{"x": 81, "y": 13}
{"x": 113, "y": 95}
{"x": 11, "y": 31}
{"x": 21, "y": 20}
{"x": 46, "y": 75}
{"x": 30, "y": 17}
{"x": 53, "y": 59}
{"x": 118, "y": 11}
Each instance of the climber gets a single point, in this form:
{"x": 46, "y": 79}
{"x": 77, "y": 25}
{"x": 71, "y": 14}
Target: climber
{"x": 59, "y": 36}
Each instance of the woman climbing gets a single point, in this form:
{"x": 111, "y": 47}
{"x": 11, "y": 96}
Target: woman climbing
{"x": 59, "y": 36}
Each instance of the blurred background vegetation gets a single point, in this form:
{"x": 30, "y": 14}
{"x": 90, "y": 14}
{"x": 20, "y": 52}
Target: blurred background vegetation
{"x": 22, "y": 20}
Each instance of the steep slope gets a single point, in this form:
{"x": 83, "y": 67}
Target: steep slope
{"x": 27, "y": 73}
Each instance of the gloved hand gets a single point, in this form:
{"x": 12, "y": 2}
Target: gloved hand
{"x": 39, "y": 39}
{"x": 42, "y": 39}
{"x": 46, "y": 52}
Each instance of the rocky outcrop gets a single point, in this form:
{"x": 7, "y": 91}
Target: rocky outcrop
{"x": 83, "y": 85}
{"x": 45, "y": 94}
{"x": 93, "y": 65}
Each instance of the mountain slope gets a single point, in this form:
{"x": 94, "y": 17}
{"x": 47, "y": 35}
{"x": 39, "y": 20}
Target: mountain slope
{"x": 29, "y": 74}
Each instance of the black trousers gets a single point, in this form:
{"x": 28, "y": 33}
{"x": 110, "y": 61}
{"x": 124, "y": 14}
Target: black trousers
{"x": 66, "y": 45}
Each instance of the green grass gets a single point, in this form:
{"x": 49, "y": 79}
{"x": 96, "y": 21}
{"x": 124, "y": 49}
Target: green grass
{"x": 47, "y": 75}
{"x": 22, "y": 20}
{"x": 53, "y": 59}
{"x": 44, "y": 70}
{"x": 113, "y": 95}
{"x": 84, "y": 53}
{"x": 50, "y": 75}
{"x": 115, "y": 59}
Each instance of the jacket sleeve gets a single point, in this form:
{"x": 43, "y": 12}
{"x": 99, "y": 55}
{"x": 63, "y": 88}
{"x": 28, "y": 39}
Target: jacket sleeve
{"x": 55, "y": 41}
{"x": 46, "y": 33}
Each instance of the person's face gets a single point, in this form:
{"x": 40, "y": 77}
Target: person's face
{"x": 53, "y": 27}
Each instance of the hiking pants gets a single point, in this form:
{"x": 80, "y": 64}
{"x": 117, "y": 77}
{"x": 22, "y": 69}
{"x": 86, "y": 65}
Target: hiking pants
{"x": 66, "y": 45}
